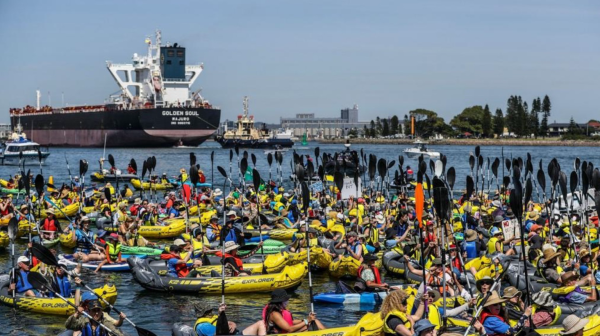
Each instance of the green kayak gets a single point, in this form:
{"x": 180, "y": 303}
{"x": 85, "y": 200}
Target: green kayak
{"x": 270, "y": 246}
{"x": 138, "y": 250}
{"x": 50, "y": 243}
{"x": 12, "y": 191}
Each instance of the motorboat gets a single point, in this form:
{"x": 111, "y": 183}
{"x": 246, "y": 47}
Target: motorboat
{"x": 420, "y": 148}
{"x": 18, "y": 150}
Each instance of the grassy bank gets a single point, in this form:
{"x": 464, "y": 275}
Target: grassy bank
{"x": 475, "y": 142}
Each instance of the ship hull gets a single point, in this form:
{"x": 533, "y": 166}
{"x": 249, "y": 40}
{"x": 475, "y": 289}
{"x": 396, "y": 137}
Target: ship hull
{"x": 263, "y": 144}
{"x": 155, "y": 127}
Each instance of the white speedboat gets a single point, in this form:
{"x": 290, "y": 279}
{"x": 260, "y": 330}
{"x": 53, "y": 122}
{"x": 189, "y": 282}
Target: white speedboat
{"x": 276, "y": 149}
{"x": 420, "y": 148}
{"x": 18, "y": 150}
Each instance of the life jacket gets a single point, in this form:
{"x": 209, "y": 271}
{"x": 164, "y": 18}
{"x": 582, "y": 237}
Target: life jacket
{"x": 84, "y": 245}
{"x": 287, "y": 316}
{"x": 87, "y": 331}
{"x": 49, "y": 225}
{"x": 485, "y": 315}
{"x": 456, "y": 263}
{"x": 564, "y": 293}
{"x": 113, "y": 250}
{"x": 212, "y": 320}
{"x": 471, "y": 249}
{"x": 238, "y": 262}
{"x": 395, "y": 313}
{"x": 231, "y": 236}
{"x": 492, "y": 246}
{"x": 63, "y": 285}
{"x": 375, "y": 272}
{"x": 434, "y": 316}
{"x": 23, "y": 284}
{"x": 5, "y": 211}
{"x": 216, "y": 230}
{"x": 180, "y": 269}
{"x": 373, "y": 237}
{"x": 437, "y": 283}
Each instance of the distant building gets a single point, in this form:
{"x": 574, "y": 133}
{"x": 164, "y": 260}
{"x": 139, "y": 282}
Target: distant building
{"x": 5, "y": 131}
{"x": 559, "y": 129}
{"x": 325, "y": 128}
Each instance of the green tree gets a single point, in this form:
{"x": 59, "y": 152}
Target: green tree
{"x": 394, "y": 124}
{"x": 385, "y": 127}
{"x": 469, "y": 120}
{"x": 486, "y": 122}
{"x": 546, "y": 106}
{"x": 365, "y": 131}
{"x": 372, "y": 131}
{"x": 427, "y": 123}
{"x": 378, "y": 125}
{"x": 498, "y": 122}
{"x": 574, "y": 128}
{"x": 406, "y": 125}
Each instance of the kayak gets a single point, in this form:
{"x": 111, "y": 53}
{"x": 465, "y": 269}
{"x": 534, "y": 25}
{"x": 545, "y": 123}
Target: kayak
{"x": 367, "y": 298}
{"x": 273, "y": 263}
{"x": 92, "y": 265}
{"x": 99, "y": 177}
{"x": 4, "y": 239}
{"x": 68, "y": 210}
{"x": 172, "y": 230}
{"x": 290, "y": 277}
{"x": 13, "y": 191}
{"x": 370, "y": 324}
{"x": 319, "y": 259}
{"x": 270, "y": 247}
{"x": 188, "y": 182}
{"x": 25, "y": 227}
{"x": 147, "y": 185}
{"x": 66, "y": 240}
{"x": 278, "y": 234}
{"x": 393, "y": 263}
{"x": 140, "y": 250}
{"x": 51, "y": 306}
{"x": 344, "y": 267}
{"x": 50, "y": 243}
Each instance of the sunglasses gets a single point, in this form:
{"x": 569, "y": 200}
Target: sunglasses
{"x": 404, "y": 302}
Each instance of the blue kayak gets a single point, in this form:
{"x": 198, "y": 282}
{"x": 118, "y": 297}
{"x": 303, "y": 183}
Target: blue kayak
{"x": 188, "y": 182}
{"x": 92, "y": 265}
{"x": 367, "y": 298}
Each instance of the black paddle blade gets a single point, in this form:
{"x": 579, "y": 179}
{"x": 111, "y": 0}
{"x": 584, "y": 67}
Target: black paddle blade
{"x": 507, "y": 163}
{"x": 597, "y": 198}
{"x": 194, "y": 177}
{"x": 107, "y": 194}
{"x": 310, "y": 167}
{"x": 356, "y": 179}
{"x": 253, "y": 157}
{"x": 441, "y": 201}
{"x": 585, "y": 184}
{"x": 192, "y": 159}
{"x": 391, "y": 164}
{"x": 470, "y": 186}
{"x": 27, "y": 182}
{"x": 13, "y": 228}
{"x": 39, "y": 155}
{"x": 144, "y": 169}
{"x": 432, "y": 167}
{"x": 300, "y": 173}
{"x": 528, "y": 191}
{"x": 133, "y": 165}
{"x": 245, "y": 155}
{"x": 471, "y": 161}
{"x": 321, "y": 173}
{"x": 38, "y": 281}
{"x": 372, "y": 166}
{"x": 20, "y": 184}
{"x": 338, "y": 179}
{"x": 541, "y": 178}
{"x": 428, "y": 185}
{"x": 419, "y": 177}
{"x": 212, "y": 156}
{"x": 451, "y": 177}
{"x": 495, "y": 165}
{"x": 144, "y": 332}
{"x": 43, "y": 254}
{"x": 577, "y": 163}
{"x": 422, "y": 167}
{"x": 230, "y": 155}
{"x": 516, "y": 173}
{"x": 111, "y": 160}
{"x": 596, "y": 179}
{"x": 270, "y": 159}
{"x": 153, "y": 163}
{"x": 516, "y": 203}
{"x": 81, "y": 173}
{"x": 401, "y": 160}
{"x": 382, "y": 167}
{"x": 222, "y": 171}
{"x": 243, "y": 165}
{"x": 318, "y": 152}
{"x": 237, "y": 150}
{"x": 520, "y": 163}
{"x": 480, "y": 161}
{"x": 477, "y": 151}
{"x": 306, "y": 196}
{"x": 256, "y": 179}
{"x": 562, "y": 181}
{"x": 39, "y": 184}
{"x": 506, "y": 182}
{"x": 574, "y": 181}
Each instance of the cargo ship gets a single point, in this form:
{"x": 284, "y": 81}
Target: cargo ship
{"x": 155, "y": 107}
{"x": 246, "y": 135}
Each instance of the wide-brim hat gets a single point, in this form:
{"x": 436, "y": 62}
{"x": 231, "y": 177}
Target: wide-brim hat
{"x": 484, "y": 280}
{"x": 494, "y": 299}
{"x": 202, "y": 308}
{"x": 498, "y": 219}
{"x": 217, "y": 192}
{"x": 511, "y": 292}
{"x": 471, "y": 235}
{"x": 510, "y": 214}
{"x": 422, "y": 325}
{"x": 232, "y": 213}
{"x": 434, "y": 295}
{"x": 550, "y": 254}
{"x": 230, "y": 246}
{"x": 583, "y": 253}
{"x": 573, "y": 324}
{"x": 380, "y": 219}
{"x": 370, "y": 257}
{"x": 94, "y": 304}
{"x": 543, "y": 299}
{"x": 279, "y": 296}
{"x": 50, "y": 211}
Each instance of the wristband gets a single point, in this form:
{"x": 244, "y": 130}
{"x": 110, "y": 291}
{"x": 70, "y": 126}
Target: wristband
{"x": 305, "y": 322}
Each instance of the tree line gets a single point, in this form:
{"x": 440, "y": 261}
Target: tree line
{"x": 519, "y": 119}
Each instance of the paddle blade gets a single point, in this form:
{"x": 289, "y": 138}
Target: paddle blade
{"x": 44, "y": 254}
{"x": 318, "y": 152}
{"x": 133, "y": 165}
{"x": 422, "y": 166}
{"x": 230, "y": 155}
{"x": 38, "y": 281}
{"x": 144, "y": 169}
{"x": 574, "y": 181}
{"x": 506, "y": 182}
{"x": 243, "y": 165}
{"x": 562, "y": 181}
{"x": 107, "y": 194}
{"x": 480, "y": 161}
{"x": 321, "y": 173}
{"x": 300, "y": 173}
{"x": 194, "y": 176}
{"x": 256, "y": 179}
{"x": 270, "y": 159}
{"x": 81, "y": 173}
{"x": 597, "y": 198}
{"x": 495, "y": 165}
{"x": 39, "y": 184}
{"x": 585, "y": 184}
{"x": 306, "y": 197}
{"x": 253, "y": 157}
{"x": 338, "y": 179}
{"x": 111, "y": 160}
{"x": 470, "y": 186}
{"x": 507, "y": 163}
{"x": 237, "y": 150}
{"x": 401, "y": 160}
{"x": 13, "y": 227}
{"x": 439, "y": 168}
{"x": 596, "y": 179}
{"x": 528, "y": 191}
{"x": 310, "y": 167}
{"x": 192, "y": 159}
{"x": 39, "y": 155}
{"x": 382, "y": 167}
{"x": 541, "y": 178}
{"x": 222, "y": 171}
{"x": 245, "y": 155}
{"x": 451, "y": 177}
{"x": 471, "y": 161}
{"x": 577, "y": 163}
{"x": 27, "y": 182}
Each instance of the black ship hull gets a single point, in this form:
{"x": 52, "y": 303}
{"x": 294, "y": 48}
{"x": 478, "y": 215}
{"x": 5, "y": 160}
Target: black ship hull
{"x": 152, "y": 127}
{"x": 262, "y": 144}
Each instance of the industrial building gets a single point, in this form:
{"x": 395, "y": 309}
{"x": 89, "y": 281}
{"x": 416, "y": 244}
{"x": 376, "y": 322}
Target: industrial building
{"x": 324, "y": 128}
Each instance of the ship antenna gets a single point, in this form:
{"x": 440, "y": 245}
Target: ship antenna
{"x": 245, "y": 106}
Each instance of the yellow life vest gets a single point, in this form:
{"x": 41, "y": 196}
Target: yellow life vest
{"x": 184, "y": 177}
{"x": 373, "y": 237}
{"x": 434, "y": 316}
{"x": 492, "y": 246}
{"x": 395, "y": 313}
{"x": 212, "y": 320}
{"x": 479, "y": 263}
{"x": 113, "y": 250}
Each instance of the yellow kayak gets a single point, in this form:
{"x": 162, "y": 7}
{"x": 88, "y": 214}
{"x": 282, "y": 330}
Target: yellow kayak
{"x": 370, "y": 324}
{"x": 25, "y": 227}
{"x": 318, "y": 257}
{"x": 66, "y": 240}
{"x": 147, "y": 186}
{"x": 52, "y": 306}
{"x": 344, "y": 267}
{"x": 173, "y": 229}
{"x": 4, "y": 240}
{"x": 69, "y": 210}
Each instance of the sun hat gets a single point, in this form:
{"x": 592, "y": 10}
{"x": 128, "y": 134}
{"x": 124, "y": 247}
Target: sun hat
{"x": 543, "y": 299}
{"x": 137, "y": 201}
{"x": 230, "y": 246}
{"x": 533, "y": 215}
{"x": 434, "y": 295}
{"x": 23, "y": 259}
{"x": 495, "y": 231}
{"x": 510, "y": 214}
{"x": 87, "y": 219}
{"x": 94, "y": 304}
{"x": 550, "y": 254}
{"x": 471, "y": 235}
{"x": 380, "y": 219}
{"x": 50, "y": 211}
{"x": 494, "y": 299}
{"x": 573, "y": 324}
{"x": 217, "y": 192}
{"x": 179, "y": 242}
{"x": 279, "y": 296}
{"x": 484, "y": 280}
{"x": 497, "y": 203}
{"x": 231, "y": 213}
{"x": 422, "y": 325}
{"x": 24, "y": 207}
{"x": 510, "y": 292}
{"x": 351, "y": 234}
{"x": 202, "y": 308}
{"x": 498, "y": 219}
{"x": 583, "y": 253}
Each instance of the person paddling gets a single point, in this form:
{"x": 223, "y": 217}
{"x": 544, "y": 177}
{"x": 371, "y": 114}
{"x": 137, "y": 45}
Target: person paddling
{"x": 368, "y": 274}
{"x": 50, "y": 226}
{"x": 206, "y": 324}
{"x": 87, "y": 326}
{"x": 22, "y": 285}
{"x": 112, "y": 251}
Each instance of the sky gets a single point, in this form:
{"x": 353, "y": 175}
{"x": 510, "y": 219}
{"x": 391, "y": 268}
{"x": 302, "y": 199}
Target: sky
{"x": 388, "y": 57}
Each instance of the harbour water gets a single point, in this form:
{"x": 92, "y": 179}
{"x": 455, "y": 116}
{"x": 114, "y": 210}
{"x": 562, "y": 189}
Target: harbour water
{"x": 157, "y": 311}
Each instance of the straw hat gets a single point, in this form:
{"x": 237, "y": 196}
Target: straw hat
{"x": 230, "y": 246}
{"x": 573, "y": 324}
{"x": 583, "y": 253}
{"x": 550, "y": 254}
{"x": 471, "y": 235}
{"x": 510, "y": 292}
{"x": 217, "y": 192}
{"x": 494, "y": 299}
{"x": 50, "y": 211}
{"x": 380, "y": 219}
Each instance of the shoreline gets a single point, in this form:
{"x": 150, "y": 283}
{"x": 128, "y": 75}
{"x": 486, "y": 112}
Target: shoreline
{"x": 472, "y": 142}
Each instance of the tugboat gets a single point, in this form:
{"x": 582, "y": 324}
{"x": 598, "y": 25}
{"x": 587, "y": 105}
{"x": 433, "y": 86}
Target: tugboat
{"x": 420, "y": 148}
{"x": 20, "y": 150}
{"x": 247, "y": 136}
